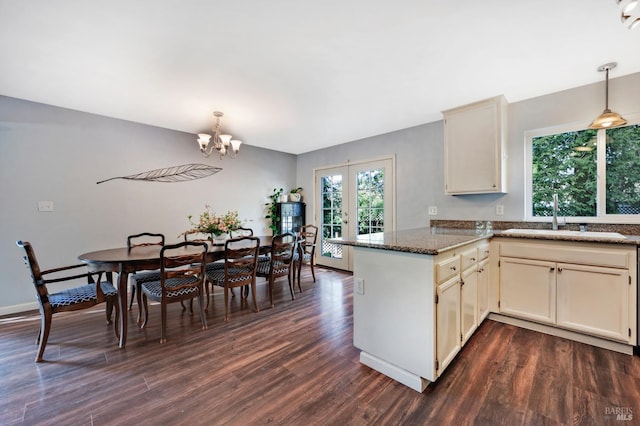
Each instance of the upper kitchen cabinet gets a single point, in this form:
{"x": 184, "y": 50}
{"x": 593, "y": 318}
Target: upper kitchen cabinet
{"x": 475, "y": 148}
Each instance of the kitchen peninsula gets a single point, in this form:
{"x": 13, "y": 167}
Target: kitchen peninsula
{"x": 420, "y": 294}
{"x": 406, "y": 283}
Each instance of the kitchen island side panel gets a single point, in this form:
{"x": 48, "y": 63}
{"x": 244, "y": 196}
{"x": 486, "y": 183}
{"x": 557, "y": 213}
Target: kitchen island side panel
{"x": 394, "y": 318}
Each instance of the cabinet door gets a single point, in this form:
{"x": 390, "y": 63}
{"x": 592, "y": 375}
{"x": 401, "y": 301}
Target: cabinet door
{"x": 528, "y": 289}
{"x": 483, "y": 290}
{"x": 474, "y": 144}
{"x": 594, "y": 300}
{"x": 469, "y": 303}
{"x": 290, "y": 217}
{"x": 447, "y": 322}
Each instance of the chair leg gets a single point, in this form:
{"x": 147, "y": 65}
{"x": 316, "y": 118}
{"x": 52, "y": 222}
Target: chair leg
{"x": 270, "y": 292}
{"x": 293, "y": 296}
{"x": 203, "y": 318}
{"x": 313, "y": 272}
{"x": 163, "y": 325}
{"x": 206, "y": 286}
{"x": 139, "y": 300}
{"x": 45, "y": 327}
{"x": 145, "y": 307}
{"x": 133, "y": 293}
{"x": 253, "y": 296}
{"x": 117, "y": 321}
{"x": 109, "y": 310}
{"x": 226, "y": 303}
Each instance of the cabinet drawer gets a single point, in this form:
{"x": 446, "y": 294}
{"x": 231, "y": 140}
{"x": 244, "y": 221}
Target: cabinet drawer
{"x": 447, "y": 269}
{"x": 484, "y": 250}
{"x": 469, "y": 258}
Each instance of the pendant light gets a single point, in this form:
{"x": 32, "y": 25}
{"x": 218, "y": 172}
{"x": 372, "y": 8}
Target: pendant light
{"x": 607, "y": 119}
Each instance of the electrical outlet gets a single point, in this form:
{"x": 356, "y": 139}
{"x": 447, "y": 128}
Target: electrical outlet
{"x": 433, "y": 210}
{"x": 45, "y": 206}
{"x": 359, "y": 285}
{"x": 499, "y": 210}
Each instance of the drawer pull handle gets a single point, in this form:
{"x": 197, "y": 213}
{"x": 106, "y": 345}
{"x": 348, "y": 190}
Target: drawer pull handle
{"x": 473, "y": 259}
{"x": 552, "y": 269}
{"x": 453, "y": 268}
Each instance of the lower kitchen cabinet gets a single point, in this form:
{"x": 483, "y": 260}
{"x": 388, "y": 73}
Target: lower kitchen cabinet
{"x": 448, "y": 318}
{"x": 528, "y": 289}
{"x": 594, "y": 300}
{"x": 484, "y": 280}
{"x": 588, "y": 288}
{"x": 468, "y": 303}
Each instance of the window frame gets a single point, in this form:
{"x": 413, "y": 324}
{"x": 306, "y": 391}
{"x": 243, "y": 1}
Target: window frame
{"x": 601, "y": 183}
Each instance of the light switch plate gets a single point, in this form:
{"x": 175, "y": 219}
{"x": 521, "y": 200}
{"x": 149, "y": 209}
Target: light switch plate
{"x": 45, "y": 206}
{"x": 359, "y": 285}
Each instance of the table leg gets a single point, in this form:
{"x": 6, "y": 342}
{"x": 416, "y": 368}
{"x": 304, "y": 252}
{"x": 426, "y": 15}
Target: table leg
{"x": 123, "y": 281}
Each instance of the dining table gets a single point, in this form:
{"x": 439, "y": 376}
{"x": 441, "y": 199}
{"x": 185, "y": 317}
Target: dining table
{"x": 124, "y": 261}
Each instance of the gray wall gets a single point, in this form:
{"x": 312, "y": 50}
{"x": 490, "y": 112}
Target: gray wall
{"x": 419, "y": 154}
{"x": 56, "y": 154}
{"x": 49, "y": 153}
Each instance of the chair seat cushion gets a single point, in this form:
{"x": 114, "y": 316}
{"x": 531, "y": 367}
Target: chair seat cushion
{"x": 85, "y": 293}
{"x": 265, "y": 266}
{"x": 153, "y": 289}
{"x": 143, "y": 277}
{"x": 216, "y": 276}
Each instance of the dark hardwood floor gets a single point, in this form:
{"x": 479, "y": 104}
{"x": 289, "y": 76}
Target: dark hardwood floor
{"x": 296, "y": 365}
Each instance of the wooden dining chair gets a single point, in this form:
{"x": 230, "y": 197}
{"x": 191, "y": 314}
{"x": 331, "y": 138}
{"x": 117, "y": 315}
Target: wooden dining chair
{"x": 136, "y": 279}
{"x": 306, "y": 250}
{"x": 182, "y": 275}
{"x": 279, "y": 263}
{"x": 70, "y": 299}
{"x": 240, "y": 264}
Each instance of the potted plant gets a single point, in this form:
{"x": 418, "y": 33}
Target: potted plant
{"x": 295, "y": 194}
{"x": 271, "y": 209}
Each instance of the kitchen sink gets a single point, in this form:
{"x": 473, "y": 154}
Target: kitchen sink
{"x": 565, "y": 233}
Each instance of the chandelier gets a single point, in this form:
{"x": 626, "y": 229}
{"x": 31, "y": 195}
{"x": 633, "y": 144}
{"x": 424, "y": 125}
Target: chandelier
{"x": 607, "y": 118}
{"x": 220, "y": 143}
{"x": 629, "y": 12}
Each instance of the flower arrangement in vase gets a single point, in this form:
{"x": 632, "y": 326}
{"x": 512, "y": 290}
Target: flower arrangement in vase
{"x": 215, "y": 225}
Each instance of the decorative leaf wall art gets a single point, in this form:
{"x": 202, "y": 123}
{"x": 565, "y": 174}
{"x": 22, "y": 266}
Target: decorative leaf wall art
{"x": 181, "y": 173}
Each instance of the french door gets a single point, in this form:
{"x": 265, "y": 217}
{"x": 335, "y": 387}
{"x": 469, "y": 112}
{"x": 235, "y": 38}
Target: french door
{"x": 352, "y": 200}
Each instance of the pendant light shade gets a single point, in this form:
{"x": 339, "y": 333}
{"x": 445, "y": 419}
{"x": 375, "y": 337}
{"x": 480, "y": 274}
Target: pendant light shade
{"x": 608, "y": 118}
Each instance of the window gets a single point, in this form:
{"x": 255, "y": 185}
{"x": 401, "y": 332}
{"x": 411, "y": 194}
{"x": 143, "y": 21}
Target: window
{"x": 596, "y": 173}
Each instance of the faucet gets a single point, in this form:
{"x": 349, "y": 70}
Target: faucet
{"x": 554, "y": 221}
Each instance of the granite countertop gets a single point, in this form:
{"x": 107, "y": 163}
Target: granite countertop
{"x": 436, "y": 240}
{"x": 421, "y": 240}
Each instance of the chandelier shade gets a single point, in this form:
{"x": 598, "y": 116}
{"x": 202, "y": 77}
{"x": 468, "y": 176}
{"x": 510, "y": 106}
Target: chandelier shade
{"x": 221, "y": 143}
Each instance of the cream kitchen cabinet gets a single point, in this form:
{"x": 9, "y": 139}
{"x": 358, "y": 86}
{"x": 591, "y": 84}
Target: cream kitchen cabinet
{"x": 528, "y": 289}
{"x": 468, "y": 293}
{"x": 484, "y": 278}
{"x": 475, "y": 148}
{"x": 448, "y": 318}
{"x": 594, "y": 300}
{"x": 588, "y": 288}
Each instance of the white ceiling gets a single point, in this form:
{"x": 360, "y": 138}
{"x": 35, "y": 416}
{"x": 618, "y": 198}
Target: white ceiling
{"x": 299, "y": 75}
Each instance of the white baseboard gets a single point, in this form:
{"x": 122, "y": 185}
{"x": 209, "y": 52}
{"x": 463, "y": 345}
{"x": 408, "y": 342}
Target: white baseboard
{"x": 408, "y": 379}
{"x": 14, "y": 309}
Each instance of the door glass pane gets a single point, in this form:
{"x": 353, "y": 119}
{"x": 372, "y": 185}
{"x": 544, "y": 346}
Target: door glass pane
{"x": 623, "y": 170}
{"x": 370, "y": 201}
{"x": 331, "y": 193}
